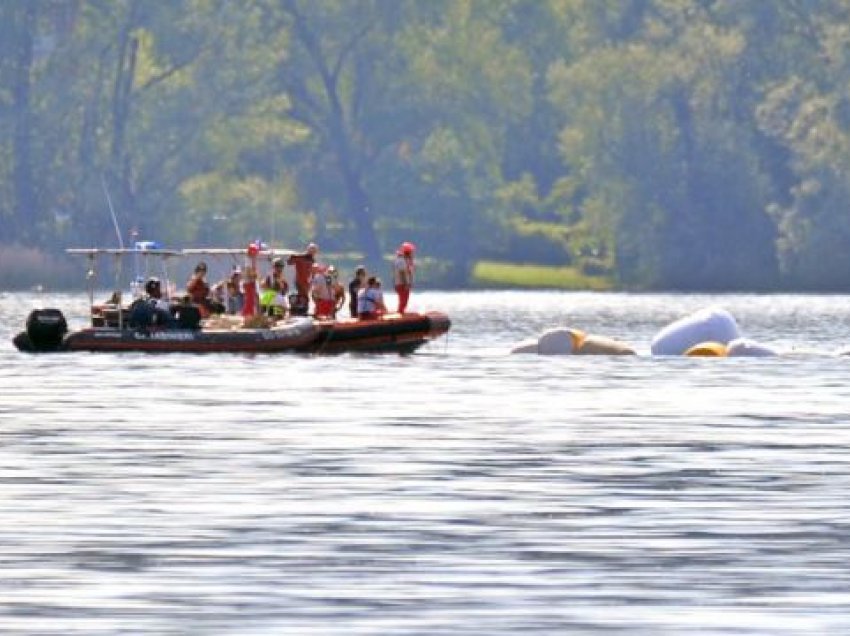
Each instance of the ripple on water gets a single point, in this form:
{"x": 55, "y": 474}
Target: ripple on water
{"x": 458, "y": 490}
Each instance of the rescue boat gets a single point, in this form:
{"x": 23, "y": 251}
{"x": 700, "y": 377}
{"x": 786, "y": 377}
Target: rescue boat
{"x": 113, "y": 330}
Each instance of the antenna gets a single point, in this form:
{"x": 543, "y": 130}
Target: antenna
{"x": 112, "y": 211}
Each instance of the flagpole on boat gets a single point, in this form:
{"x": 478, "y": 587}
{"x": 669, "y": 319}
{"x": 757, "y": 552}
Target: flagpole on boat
{"x": 117, "y": 256}
{"x": 90, "y": 276}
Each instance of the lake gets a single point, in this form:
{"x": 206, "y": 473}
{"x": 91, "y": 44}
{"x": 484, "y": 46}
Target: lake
{"x": 459, "y": 490}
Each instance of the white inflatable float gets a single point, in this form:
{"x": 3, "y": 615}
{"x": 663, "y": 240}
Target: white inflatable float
{"x": 744, "y": 347}
{"x": 712, "y": 325}
{"x": 738, "y": 348}
{"x": 564, "y": 341}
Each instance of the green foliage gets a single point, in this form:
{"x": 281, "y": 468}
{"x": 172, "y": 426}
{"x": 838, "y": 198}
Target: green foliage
{"x": 490, "y": 274}
{"x": 657, "y": 143}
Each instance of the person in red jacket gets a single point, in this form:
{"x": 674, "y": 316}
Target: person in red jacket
{"x": 303, "y": 264}
{"x": 199, "y": 290}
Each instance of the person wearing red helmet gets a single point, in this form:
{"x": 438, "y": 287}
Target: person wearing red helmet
{"x": 403, "y": 270}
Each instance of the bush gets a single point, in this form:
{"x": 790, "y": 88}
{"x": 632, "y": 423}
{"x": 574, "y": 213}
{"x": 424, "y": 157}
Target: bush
{"x": 541, "y": 243}
{"x": 518, "y": 275}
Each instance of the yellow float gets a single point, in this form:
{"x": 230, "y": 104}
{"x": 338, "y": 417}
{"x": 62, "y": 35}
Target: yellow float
{"x": 707, "y": 350}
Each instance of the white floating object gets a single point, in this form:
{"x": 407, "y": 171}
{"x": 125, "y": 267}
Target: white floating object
{"x": 560, "y": 341}
{"x": 603, "y": 346}
{"x": 712, "y": 324}
{"x": 744, "y": 347}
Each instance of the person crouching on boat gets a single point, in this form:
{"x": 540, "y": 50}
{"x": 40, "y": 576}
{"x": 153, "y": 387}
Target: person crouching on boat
{"x": 229, "y": 292}
{"x": 403, "y": 269}
{"x": 199, "y": 290}
{"x": 321, "y": 290}
{"x": 152, "y": 310}
{"x": 370, "y": 300}
{"x": 273, "y": 298}
{"x": 235, "y": 298}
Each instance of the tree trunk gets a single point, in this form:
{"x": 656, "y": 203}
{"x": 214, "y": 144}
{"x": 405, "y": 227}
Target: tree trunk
{"x": 358, "y": 204}
{"x": 122, "y": 95}
{"x": 26, "y": 213}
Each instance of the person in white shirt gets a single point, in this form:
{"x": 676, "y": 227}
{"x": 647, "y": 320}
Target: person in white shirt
{"x": 403, "y": 269}
{"x": 321, "y": 289}
{"x": 370, "y": 300}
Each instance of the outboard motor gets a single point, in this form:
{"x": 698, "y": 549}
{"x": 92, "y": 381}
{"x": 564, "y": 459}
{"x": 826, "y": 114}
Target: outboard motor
{"x": 45, "y": 330}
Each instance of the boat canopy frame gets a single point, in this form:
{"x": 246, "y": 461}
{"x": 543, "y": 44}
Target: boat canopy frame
{"x": 147, "y": 249}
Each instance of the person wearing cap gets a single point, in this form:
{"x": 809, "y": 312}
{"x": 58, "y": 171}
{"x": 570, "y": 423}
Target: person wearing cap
{"x": 357, "y": 283}
{"x": 274, "y": 287}
{"x": 403, "y": 269}
{"x": 303, "y": 264}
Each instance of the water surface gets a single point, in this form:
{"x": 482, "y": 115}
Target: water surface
{"x": 459, "y": 490}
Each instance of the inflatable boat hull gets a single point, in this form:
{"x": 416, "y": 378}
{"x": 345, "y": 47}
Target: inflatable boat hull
{"x": 394, "y": 333}
{"x": 402, "y": 333}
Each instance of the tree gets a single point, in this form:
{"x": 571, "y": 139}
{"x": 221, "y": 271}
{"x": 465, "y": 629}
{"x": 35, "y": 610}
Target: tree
{"x": 19, "y": 29}
{"x": 805, "y": 112}
{"x": 327, "y": 75}
{"x": 670, "y": 172}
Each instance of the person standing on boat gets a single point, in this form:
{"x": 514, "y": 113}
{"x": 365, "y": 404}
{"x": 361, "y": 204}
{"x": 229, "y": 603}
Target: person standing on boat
{"x": 199, "y": 290}
{"x": 337, "y": 290}
{"x": 250, "y": 296}
{"x": 354, "y": 287}
{"x": 370, "y": 300}
{"x": 321, "y": 290}
{"x": 303, "y": 264}
{"x": 403, "y": 269}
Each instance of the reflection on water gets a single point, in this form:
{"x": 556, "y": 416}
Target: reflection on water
{"x": 458, "y": 490}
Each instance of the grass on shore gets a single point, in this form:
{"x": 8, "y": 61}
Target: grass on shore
{"x": 497, "y": 274}
{"x": 28, "y": 268}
